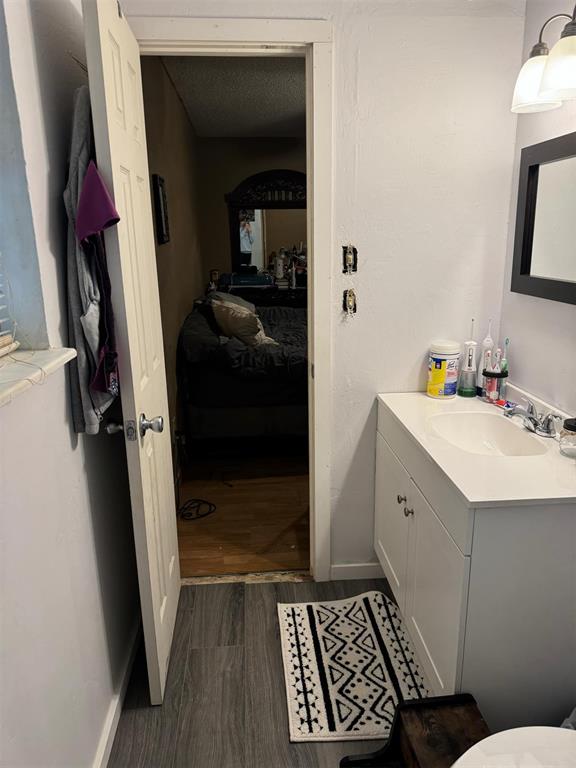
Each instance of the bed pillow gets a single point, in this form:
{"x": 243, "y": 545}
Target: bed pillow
{"x": 230, "y": 298}
{"x": 205, "y": 310}
{"x": 240, "y": 322}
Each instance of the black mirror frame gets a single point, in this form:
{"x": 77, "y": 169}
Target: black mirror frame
{"x": 531, "y": 159}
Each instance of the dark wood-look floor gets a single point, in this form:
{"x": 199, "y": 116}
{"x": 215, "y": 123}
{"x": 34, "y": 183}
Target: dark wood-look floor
{"x": 261, "y": 521}
{"x": 225, "y": 704}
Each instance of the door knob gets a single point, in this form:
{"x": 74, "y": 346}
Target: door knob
{"x": 408, "y": 512}
{"x": 112, "y": 428}
{"x": 401, "y": 499}
{"x": 156, "y": 424}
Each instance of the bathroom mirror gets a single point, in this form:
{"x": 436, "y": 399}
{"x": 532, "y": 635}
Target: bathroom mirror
{"x": 545, "y": 243}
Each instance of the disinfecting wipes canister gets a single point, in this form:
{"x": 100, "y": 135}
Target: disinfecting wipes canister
{"x": 443, "y": 368}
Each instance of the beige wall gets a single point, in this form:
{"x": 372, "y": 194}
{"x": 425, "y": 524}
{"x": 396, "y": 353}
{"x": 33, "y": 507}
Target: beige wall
{"x": 173, "y": 153}
{"x": 224, "y": 164}
{"x": 284, "y": 228}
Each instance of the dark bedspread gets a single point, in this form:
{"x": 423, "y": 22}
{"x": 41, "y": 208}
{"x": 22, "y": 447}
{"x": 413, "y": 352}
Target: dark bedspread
{"x": 287, "y": 326}
{"x": 217, "y": 372}
{"x": 200, "y": 344}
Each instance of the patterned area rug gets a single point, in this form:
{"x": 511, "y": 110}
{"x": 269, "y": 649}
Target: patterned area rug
{"x": 347, "y": 664}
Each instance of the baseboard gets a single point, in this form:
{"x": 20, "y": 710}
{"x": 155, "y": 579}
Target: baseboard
{"x": 356, "y": 571}
{"x": 115, "y": 709}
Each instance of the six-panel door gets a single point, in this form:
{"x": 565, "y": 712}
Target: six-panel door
{"x": 113, "y": 57}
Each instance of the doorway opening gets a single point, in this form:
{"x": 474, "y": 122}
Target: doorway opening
{"x": 226, "y": 140}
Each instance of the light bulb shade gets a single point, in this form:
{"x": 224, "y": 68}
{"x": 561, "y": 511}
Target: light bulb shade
{"x": 527, "y": 97}
{"x": 559, "y": 77}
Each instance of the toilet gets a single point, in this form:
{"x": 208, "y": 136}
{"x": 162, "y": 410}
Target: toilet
{"x": 532, "y": 747}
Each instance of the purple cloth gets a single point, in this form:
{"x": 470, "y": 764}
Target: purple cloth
{"x": 96, "y": 210}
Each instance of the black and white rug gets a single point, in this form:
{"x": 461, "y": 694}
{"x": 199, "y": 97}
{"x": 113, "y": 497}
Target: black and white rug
{"x": 347, "y": 664}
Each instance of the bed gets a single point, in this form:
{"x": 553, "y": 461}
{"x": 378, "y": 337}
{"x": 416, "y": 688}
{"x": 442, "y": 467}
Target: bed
{"x": 228, "y": 389}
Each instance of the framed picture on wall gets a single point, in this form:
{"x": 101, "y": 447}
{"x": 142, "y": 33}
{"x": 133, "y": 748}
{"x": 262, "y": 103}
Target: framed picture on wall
{"x": 160, "y": 209}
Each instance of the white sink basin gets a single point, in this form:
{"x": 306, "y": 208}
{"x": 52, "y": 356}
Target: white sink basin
{"x": 490, "y": 460}
{"x": 485, "y": 434}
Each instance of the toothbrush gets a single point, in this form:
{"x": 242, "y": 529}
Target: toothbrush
{"x": 505, "y": 358}
{"x": 489, "y": 382}
{"x": 497, "y": 368}
{"x": 487, "y": 344}
{"x": 470, "y": 364}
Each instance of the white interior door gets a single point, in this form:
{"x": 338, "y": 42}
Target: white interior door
{"x": 113, "y": 58}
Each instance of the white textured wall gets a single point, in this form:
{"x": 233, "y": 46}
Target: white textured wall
{"x": 423, "y": 171}
{"x": 542, "y": 332}
{"x": 67, "y": 581}
{"x": 68, "y": 590}
{"x": 423, "y": 153}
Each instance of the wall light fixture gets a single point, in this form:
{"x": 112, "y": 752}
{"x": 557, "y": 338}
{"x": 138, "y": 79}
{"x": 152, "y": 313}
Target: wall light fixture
{"x": 548, "y": 78}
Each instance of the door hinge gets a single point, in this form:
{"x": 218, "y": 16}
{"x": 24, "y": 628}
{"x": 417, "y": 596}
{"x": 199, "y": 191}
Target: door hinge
{"x": 312, "y": 370}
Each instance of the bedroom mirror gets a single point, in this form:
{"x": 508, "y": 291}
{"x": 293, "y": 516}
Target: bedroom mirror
{"x": 267, "y": 212}
{"x": 544, "y": 250}
{"x": 264, "y": 232}
{"x": 251, "y": 235}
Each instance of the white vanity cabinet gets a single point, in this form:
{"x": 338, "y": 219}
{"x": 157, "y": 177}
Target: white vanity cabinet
{"x": 427, "y": 572}
{"x": 391, "y": 526}
{"x": 486, "y": 583}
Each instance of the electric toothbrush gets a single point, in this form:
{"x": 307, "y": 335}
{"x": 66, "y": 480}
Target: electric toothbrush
{"x": 487, "y": 346}
{"x": 467, "y": 382}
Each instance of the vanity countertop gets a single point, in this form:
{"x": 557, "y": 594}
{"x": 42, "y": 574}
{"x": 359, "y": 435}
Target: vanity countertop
{"x": 485, "y": 480}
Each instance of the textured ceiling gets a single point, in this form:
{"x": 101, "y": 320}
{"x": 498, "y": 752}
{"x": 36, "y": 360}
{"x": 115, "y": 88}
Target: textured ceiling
{"x": 241, "y": 96}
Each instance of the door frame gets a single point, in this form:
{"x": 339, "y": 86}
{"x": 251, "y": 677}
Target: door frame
{"x": 312, "y": 39}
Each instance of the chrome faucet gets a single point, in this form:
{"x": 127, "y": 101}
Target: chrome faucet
{"x": 541, "y": 424}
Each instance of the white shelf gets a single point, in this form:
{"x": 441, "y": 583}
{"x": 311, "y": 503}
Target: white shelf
{"x": 23, "y": 369}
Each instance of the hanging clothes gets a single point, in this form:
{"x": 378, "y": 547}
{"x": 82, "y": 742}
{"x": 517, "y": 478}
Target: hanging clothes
{"x": 96, "y": 212}
{"x": 84, "y": 282}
